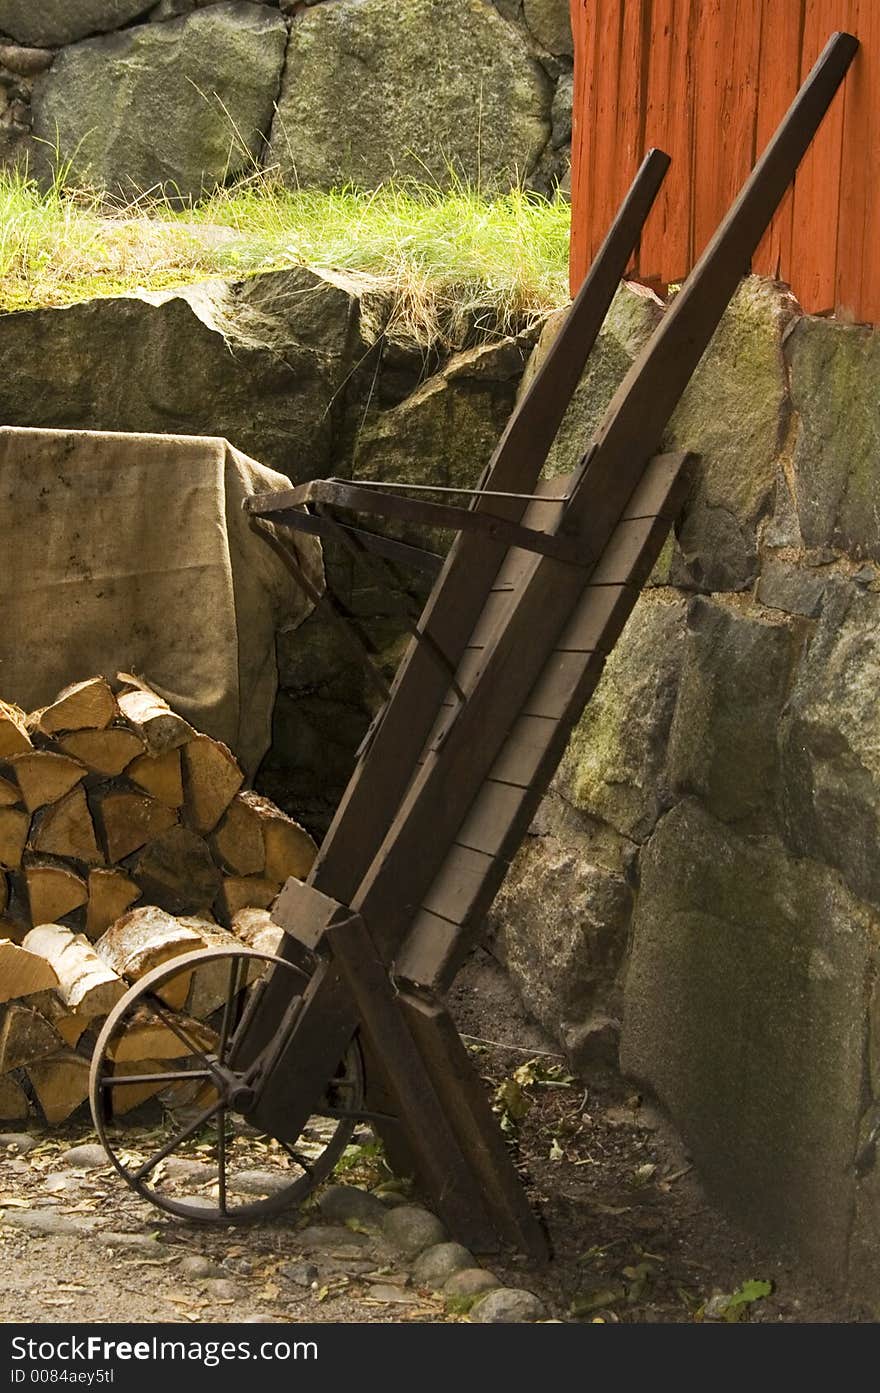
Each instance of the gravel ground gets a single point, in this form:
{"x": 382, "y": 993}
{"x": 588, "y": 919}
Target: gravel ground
{"x": 634, "y": 1238}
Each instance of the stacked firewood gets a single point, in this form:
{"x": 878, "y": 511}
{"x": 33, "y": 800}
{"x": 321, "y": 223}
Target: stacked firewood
{"x": 125, "y": 839}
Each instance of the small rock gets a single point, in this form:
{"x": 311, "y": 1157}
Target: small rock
{"x": 302, "y": 1274}
{"x": 199, "y": 1201}
{"x": 179, "y": 1168}
{"x": 506, "y": 1304}
{"x": 437, "y": 1264}
{"x": 410, "y": 1229}
{"x": 220, "y": 1288}
{"x": 379, "y": 1292}
{"x": 259, "y": 1318}
{"x": 390, "y": 1199}
{"x": 45, "y": 1221}
{"x": 19, "y": 1142}
{"x": 87, "y": 1157}
{"x": 195, "y": 1265}
{"x": 57, "y": 1180}
{"x": 259, "y": 1182}
{"x": 470, "y": 1283}
{"x": 344, "y": 1202}
{"x": 142, "y": 1242}
{"x": 330, "y": 1236}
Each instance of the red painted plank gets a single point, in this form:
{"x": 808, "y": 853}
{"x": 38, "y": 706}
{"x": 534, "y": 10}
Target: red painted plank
{"x": 725, "y": 49}
{"x": 813, "y": 264}
{"x": 709, "y": 81}
{"x": 858, "y": 274}
{"x": 665, "y": 253}
{"x": 619, "y": 119}
{"x": 585, "y": 28}
{"x": 778, "y": 79}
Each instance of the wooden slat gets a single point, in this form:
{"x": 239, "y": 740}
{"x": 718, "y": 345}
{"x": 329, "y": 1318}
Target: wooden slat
{"x": 467, "y": 880}
{"x": 465, "y": 1103}
{"x": 443, "y": 1168}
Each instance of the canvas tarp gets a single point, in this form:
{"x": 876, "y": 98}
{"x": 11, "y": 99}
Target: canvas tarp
{"x": 132, "y": 553}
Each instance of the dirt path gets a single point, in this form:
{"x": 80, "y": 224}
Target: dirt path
{"x": 633, "y": 1236}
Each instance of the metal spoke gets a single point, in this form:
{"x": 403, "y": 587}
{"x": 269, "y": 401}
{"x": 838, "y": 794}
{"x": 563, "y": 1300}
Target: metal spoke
{"x": 183, "y": 1076}
{"x": 182, "y": 1136}
{"x": 175, "y": 1029}
{"x": 221, "y": 1160}
{"x": 228, "y": 1007}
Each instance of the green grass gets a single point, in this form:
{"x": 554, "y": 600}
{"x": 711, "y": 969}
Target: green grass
{"x": 441, "y": 260}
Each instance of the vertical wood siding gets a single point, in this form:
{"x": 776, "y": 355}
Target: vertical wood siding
{"x": 708, "y": 81}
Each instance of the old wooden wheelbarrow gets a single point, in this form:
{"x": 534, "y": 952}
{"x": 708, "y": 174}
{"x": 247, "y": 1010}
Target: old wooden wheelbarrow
{"x": 346, "y": 1023}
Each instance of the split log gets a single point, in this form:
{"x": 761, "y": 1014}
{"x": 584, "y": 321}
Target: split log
{"x": 177, "y": 872}
{"x": 211, "y": 780}
{"x": 86, "y": 983}
{"x": 14, "y": 828}
{"x": 88, "y": 705}
{"x": 145, "y": 938}
{"x": 53, "y": 891}
{"x": 147, "y": 1037}
{"x": 23, "y": 973}
{"x": 111, "y": 893}
{"x": 14, "y": 1106}
{"x": 256, "y": 929}
{"x": 65, "y": 828}
{"x": 257, "y": 838}
{"x": 131, "y": 1096}
{"x": 106, "y": 752}
{"x": 25, "y": 1036}
{"x": 159, "y": 727}
{"x": 160, "y": 776}
{"x": 61, "y": 1083}
{"x": 130, "y": 820}
{"x": 14, "y": 737}
{"x": 65, "y": 1022}
{"x": 210, "y": 983}
{"x": 244, "y": 891}
{"x": 10, "y": 793}
{"x": 238, "y": 840}
{"x": 44, "y": 777}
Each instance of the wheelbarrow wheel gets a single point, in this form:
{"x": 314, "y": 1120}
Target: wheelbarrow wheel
{"x": 169, "y": 1103}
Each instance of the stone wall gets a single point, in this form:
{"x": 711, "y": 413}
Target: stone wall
{"x": 182, "y": 95}
{"x": 293, "y": 367}
{"x": 701, "y": 885}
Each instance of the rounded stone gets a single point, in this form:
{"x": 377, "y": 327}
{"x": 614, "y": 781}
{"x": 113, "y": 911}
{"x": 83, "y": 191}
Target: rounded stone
{"x": 433, "y": 91}
{"x": 179, "y": 107}
{"x": 220, "y": 1288}
{"x": 507, "y": 1304}
{"x": 18, "y": 1142}
{"x": 302, "y": 1274}
{"x": 411, "y": 1229}
{"x": 344, "y": 1202}
{"x": 50, "y": 22}
{"x": 90, "y": 1156}
{"x": 469, "y": 1283}
{"x": 437, "y": 1264}
{"x": 195, "y": 1265}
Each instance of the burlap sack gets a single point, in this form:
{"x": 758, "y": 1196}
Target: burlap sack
{"x": 132, "y": 552}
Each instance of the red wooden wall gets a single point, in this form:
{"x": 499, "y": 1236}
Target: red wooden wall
{"x": 707, "y": 81}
